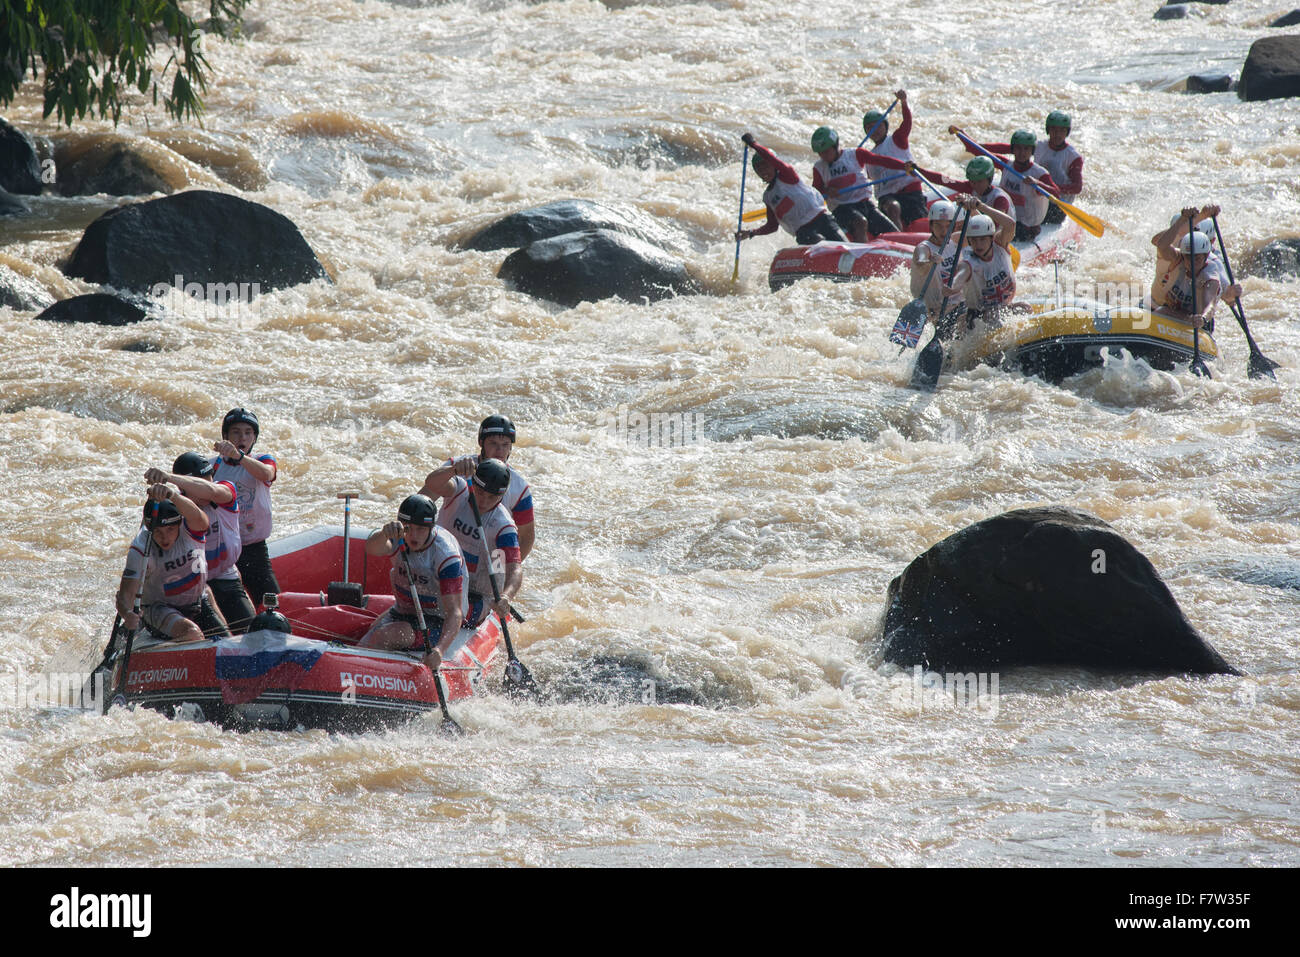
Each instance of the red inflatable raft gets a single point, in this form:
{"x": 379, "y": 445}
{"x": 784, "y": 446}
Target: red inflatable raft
{"x": 889, "y": 252}
{"x": 316, "y": 677}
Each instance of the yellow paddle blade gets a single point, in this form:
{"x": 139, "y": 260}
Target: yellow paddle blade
{"x": 1089, "y": 222}
{"x": 754, "y": 214}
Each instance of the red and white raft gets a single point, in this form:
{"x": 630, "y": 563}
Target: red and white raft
{"x": 316, "y": 677}
{"x": 888, "y": 252}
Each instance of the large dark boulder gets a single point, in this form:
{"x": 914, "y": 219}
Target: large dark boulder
{"x": 1040, "y": 586}
{"x": 1272, "y": 69}
{"x": 596, "y": 264}
{"x": 1280, "y": 259}
{"x": 20, "y": 293}
{"x": 20, "y": 168}
{"x": 567, "y": 216}
{"x": 200, "y": 236}
{"x": 97, "y": 307}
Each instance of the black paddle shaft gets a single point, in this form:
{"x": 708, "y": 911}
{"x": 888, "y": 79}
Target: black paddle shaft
{"x": 447, "y": 720}
{"x": 1198, "y": 366}
{"x": 1260, "y": 365}
{"x": 516, "y": 673}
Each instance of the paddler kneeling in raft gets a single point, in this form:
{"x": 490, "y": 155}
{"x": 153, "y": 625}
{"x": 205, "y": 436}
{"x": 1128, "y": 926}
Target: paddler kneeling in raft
{"x": 167, "y": 566}
{"x": 440, "y": 584}
{"x": 984, "y": 272}
{"x": 1211, "y": 281}
{"x": 939, "y": 247}
{"x": 841, "y": 176}
{"x": 1169, "y": 257}
{"x": 791, "y": 203}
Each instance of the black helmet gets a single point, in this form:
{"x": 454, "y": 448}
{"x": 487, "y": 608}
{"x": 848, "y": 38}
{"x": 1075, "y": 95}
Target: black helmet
{"x": 270, "y": 621}
{"x": 161, "y": 513}
{"x": 193, "y": 463}
{"x": 418, "y": 510}
{"x": 492, "y": 476}
{"x": 496, "y": 425}
{"x": 240, "y": 415}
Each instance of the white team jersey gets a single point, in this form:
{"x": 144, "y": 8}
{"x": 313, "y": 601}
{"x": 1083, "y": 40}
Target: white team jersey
{"x": 891, "y": 149}
{"x": 176, "y": 577}
{"x": 1178, "y": 294}
{"x": 846, "y": 179}
{"x": 457, "y": 516}
{"x": 945, "y": 257}
{"x": 1029, "y": 204}
{"x": 795, "y": 205}
{"x": 992, "y": 283}
{"x": 438, "y": 567}
{"x": 519, "y": 495}
{"x": 254, "y": 498}
{"x": 1058, "y": 163}
{"x": 223, "y": 541}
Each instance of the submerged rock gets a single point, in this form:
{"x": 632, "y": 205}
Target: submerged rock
{"x": 1287, "y": 19}
{"x": 197, "y": 236}
{"x": 1209, "y": 83}
{"x": 567, "y": 216}
{"x": 1171, "y": 11}
{"x": 1272, "y": 69}
{"x": 1280, "y": 259}
{"x": 1040, "y": 586}
{"x": 596, "y": 264}
{"x": 99, "y": 308}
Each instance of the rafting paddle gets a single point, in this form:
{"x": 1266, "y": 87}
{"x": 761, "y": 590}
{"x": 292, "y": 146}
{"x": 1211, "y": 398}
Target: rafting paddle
{"x": 518, "y": 680}
{"x": 740, "y": 216}
{"x": 1198, "y": 364}
{"x": 448, "y": 726}
{"x": 929, "y": 363}
{"x": 1089, "y": 222}
{"x": 1260, "y": 365}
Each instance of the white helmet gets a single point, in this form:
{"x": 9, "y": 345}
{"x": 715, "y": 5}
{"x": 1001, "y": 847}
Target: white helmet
{"x": 943, "y": 209}
{"x": 980, "y": 225}
{"x": 1197, "y": 243}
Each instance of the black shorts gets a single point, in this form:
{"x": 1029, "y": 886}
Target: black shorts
{"x": 255, "y": 569}
{"x": 821, "y": 228}
{"x": 1054, "y": 214}
{"x": 911, "y": 203}
{"x": 864, "y": 210}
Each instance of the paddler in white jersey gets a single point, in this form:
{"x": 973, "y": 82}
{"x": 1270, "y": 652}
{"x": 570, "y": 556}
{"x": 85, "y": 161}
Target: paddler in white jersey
{"x": 940, "y": 247}
{"x": 841, "y": 176}
{"x": 438, "y": 569}
{"x": 496, "y": 440}
{"x": 1030, "y": 205}
{"x": 499, "y": 555}
{"x": 1211, "y": 283}
{"x": 167, "y": 567}
{"x": 252, "y": 476}
{"x": 1062, "y": 160}
{"x": 1169, "y": 259}
{"x": 900, "y": 199}
{"x": 192, "y": 473}
{"x": 791, "y": 203}
{"x": 985, "y": 272}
